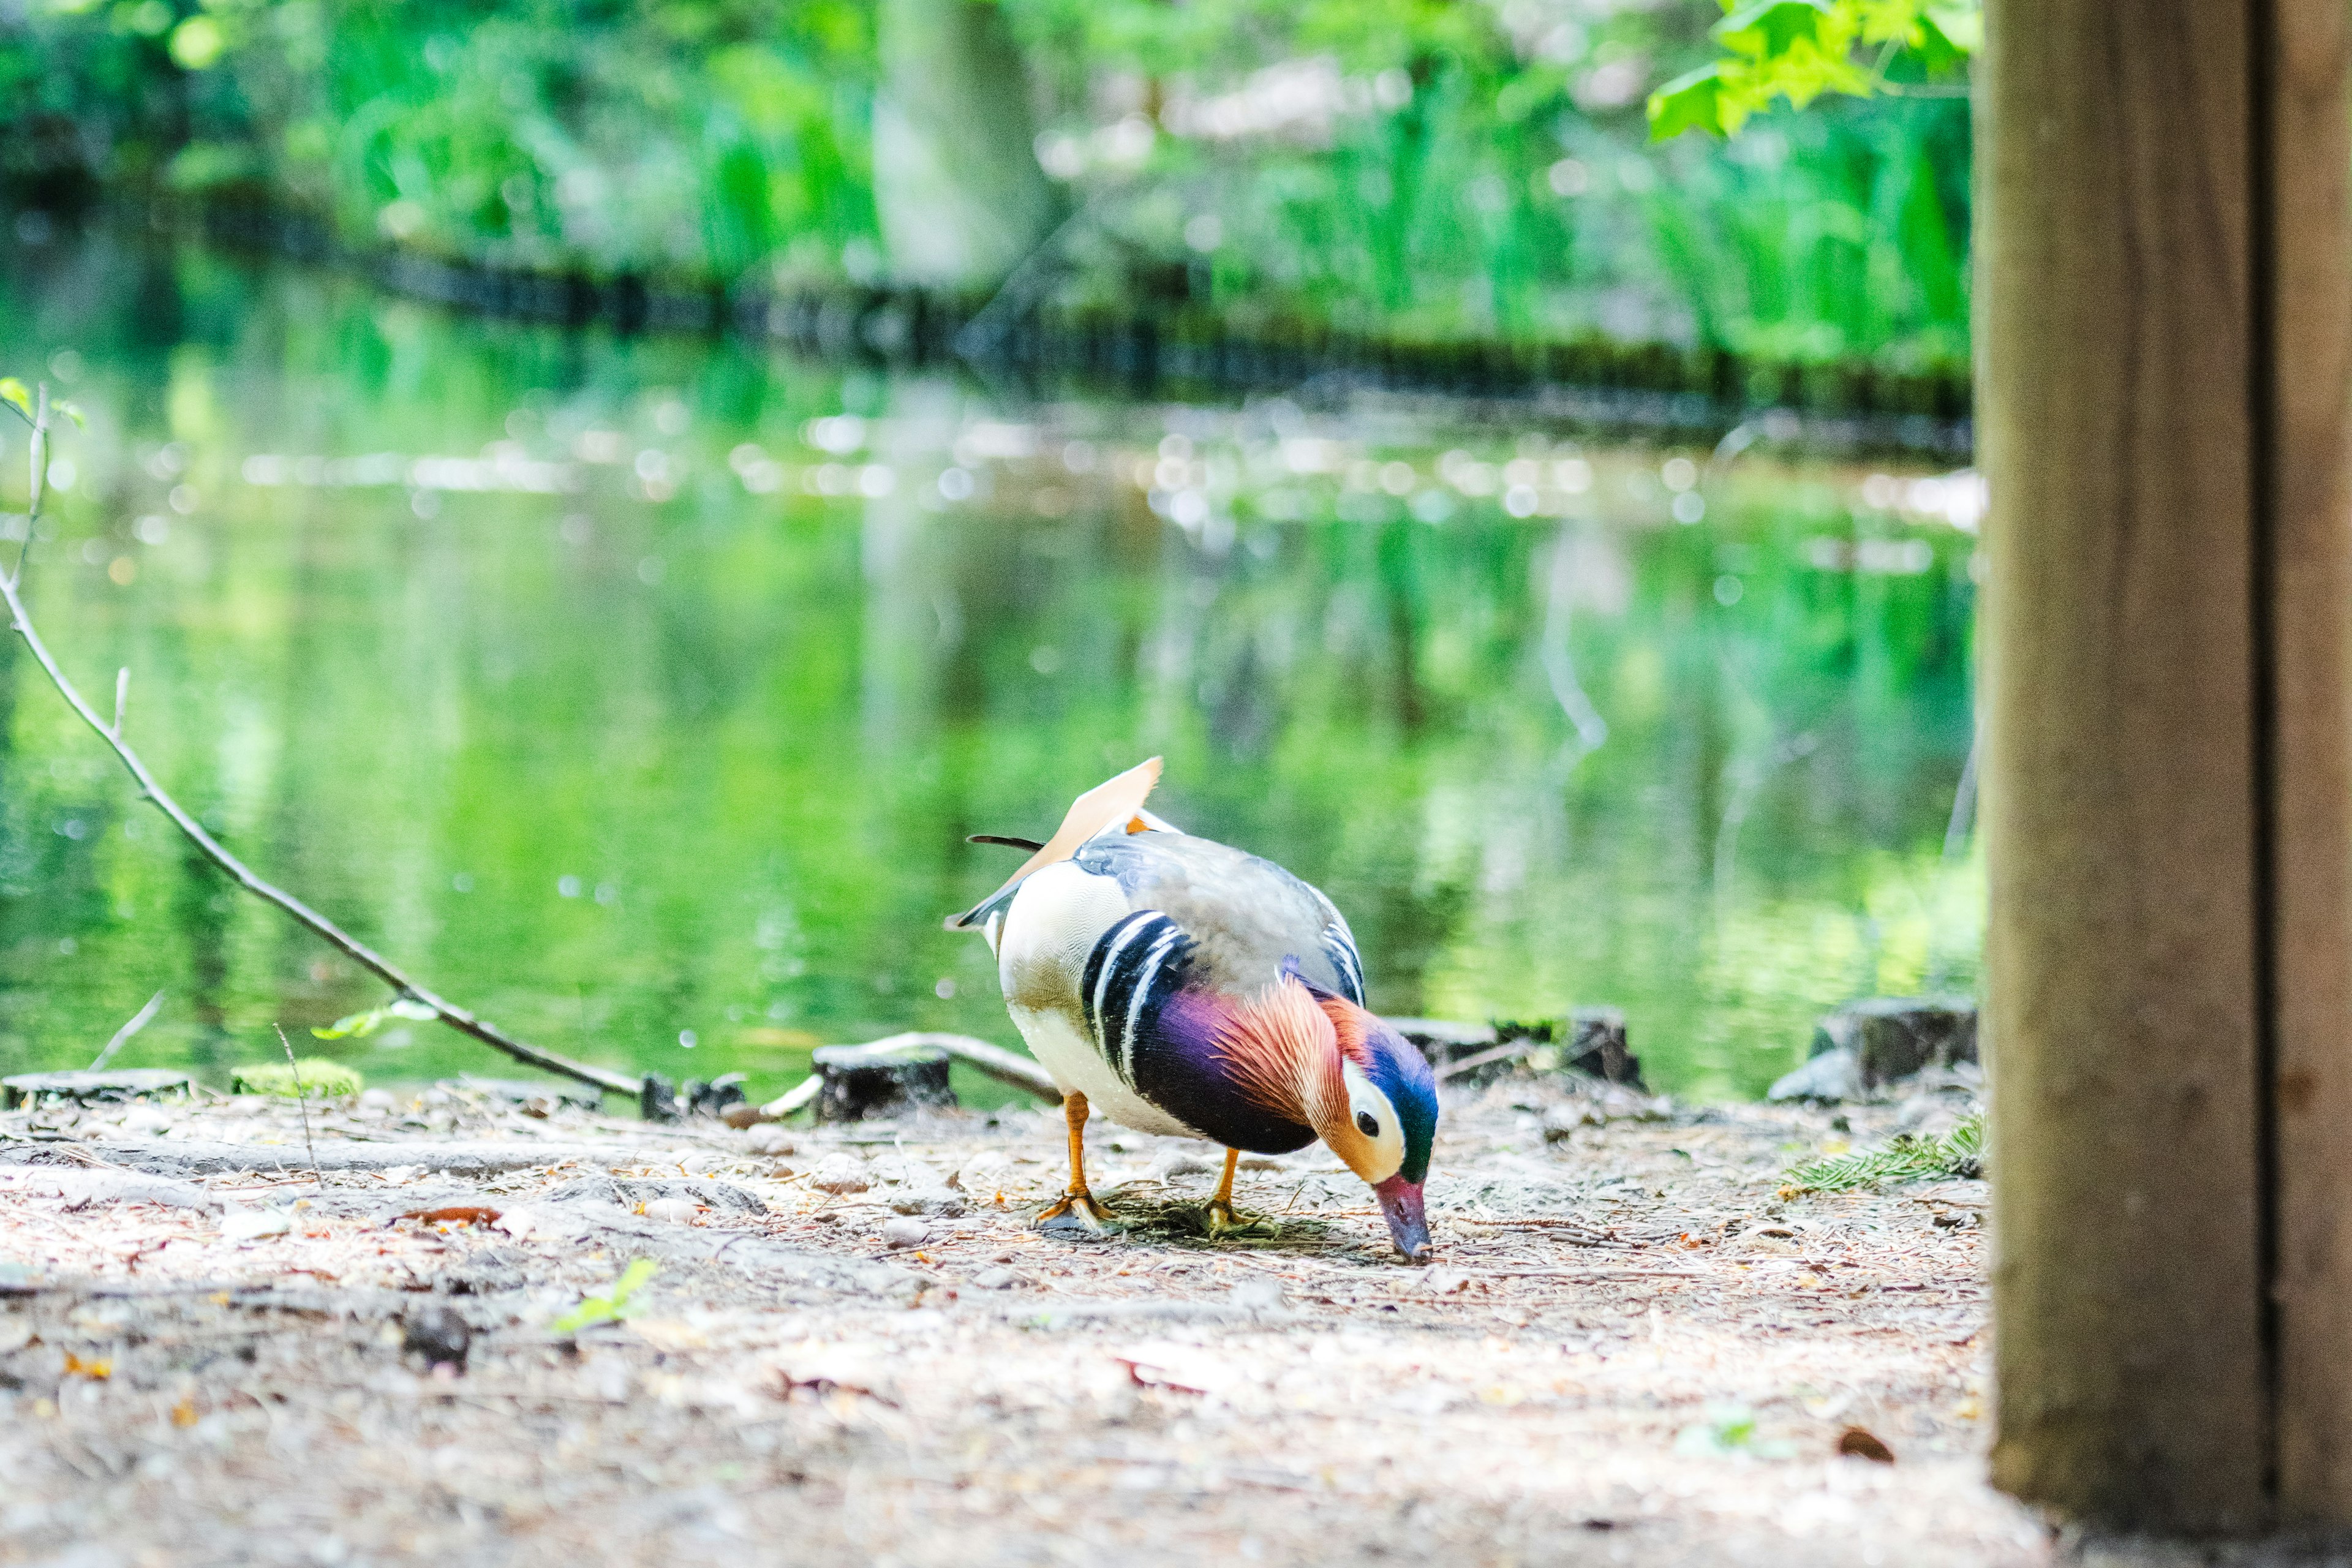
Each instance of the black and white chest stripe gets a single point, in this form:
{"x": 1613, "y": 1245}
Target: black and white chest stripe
{"x": 1134, "y": 967}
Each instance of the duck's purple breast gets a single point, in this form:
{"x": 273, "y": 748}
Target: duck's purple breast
{"x": 1180, "y": 1066}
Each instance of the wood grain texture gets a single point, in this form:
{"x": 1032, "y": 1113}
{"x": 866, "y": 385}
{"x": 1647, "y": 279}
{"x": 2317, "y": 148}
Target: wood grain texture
{"x": 2166, "y": 379}
{"x": 2121, "y": 947}
{"x": 2311, "y": 589}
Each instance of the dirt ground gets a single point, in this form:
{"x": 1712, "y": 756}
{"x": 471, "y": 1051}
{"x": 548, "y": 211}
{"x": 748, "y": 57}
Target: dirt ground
{"x": 860, "y": 1349}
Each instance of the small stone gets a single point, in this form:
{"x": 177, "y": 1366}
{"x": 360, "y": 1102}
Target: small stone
{"x": 839, "y": 1174}
{"x": 1184, "y": 1162}
{"x": 995, "y": 1279}
{"x": 439, "y": 1335}
{"x": 1561, "y": 1122}
{"x": 903, "y": 1233}
{"x": 1832, "y": 1075}
{"x": 677, "y": 1211}
{"x": 937, "y": 1203}
{"x": 1258, "y": 1295}
{"x": 251, "y": 1224}
{"x": 743, "y": 1113}
{"x": 379, "y": 1099}
{"x": 769, "y": 1139}
{"x": 146, "y": 1122}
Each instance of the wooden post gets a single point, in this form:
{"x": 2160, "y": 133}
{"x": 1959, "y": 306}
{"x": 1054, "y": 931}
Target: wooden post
{"x": 2165, "y": 328}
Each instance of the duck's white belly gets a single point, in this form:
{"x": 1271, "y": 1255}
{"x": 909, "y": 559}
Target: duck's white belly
{"x": 1075, "y": 1065}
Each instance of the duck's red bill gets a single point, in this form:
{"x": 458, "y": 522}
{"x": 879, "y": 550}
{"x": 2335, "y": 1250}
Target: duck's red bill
{"x": 1400, "y": 1205}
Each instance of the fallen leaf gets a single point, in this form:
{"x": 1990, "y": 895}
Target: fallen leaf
{"x": 456, "y": 1213}
{"x": 97, "y": 1368}
{"x": 1860, "y": 1442}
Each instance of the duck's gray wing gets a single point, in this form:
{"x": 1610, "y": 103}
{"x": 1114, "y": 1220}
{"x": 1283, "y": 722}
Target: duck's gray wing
{"x": 1246, "y": 919}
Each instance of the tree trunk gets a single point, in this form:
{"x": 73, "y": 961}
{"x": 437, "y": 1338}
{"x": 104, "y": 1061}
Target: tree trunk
{"x": 2168, "y": 790}
{"x": 957, "y": 188}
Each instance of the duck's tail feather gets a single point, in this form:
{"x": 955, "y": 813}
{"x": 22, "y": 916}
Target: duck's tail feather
{"x": 1006, "y": 839}
{"x": 1108, "y": 803}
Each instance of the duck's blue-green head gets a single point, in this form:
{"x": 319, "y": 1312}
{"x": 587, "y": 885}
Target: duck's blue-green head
{"x": 1391, "y": 1120}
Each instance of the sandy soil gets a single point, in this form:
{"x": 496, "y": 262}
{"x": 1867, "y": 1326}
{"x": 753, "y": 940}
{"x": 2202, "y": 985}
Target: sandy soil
{"x": 861, "y": 1350}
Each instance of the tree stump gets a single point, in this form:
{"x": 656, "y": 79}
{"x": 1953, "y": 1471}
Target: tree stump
{"x": 93, "y": 1087}
{"x": 861, "y": 1082}
{"x": 1892, "y": 1037}
{"x": 1597, "y": 1046}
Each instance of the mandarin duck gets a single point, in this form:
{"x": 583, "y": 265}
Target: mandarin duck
{"x": 1182, "y": 987}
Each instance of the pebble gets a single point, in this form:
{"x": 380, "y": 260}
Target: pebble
{"x": 903, "y": 1233}
{"x": 1258, "y": 1295}
{"x": 1184, "y": 1162}
{"x": 439, "y": 1335}
{"x": 769, "y": 1140}
{"x": 939, "y": 1203}
{"x": 838, "y": 1174}
{"x": 146, "y": 1119}
{"x": 1561, "y": 1122}
{"x": 379, "y": 1099}
{"x": 995, "y": 1279}
{"x": 249, "y": 1224}
{"x": 677, "y": 1211}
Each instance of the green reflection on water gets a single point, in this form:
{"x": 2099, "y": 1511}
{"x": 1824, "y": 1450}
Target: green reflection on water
{"x": 656, "y": 738}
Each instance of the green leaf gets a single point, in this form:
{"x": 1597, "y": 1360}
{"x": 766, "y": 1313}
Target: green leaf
{"x": 1692, "y": 101}
{"x": 359, "y": 1024}
{"x": 609, "y": 1306}
{"x": 13, "y": 393}
{"x": 1961, "y": 27}
{"x": 1769, "y": 28}
{"x": 71, "y": 411}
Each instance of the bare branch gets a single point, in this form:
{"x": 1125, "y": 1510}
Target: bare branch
{"x": 139, "y": 1021}
{"x": 359, "y": 952}
{"x": 122, "y": 697}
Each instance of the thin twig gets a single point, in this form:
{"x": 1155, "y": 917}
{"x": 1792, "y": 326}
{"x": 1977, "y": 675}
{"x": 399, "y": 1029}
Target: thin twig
{"x": 122, "y": 696}
{"x": 139, "y": 1021}
{"x": 301, "y": 1103}
{"x": 367, "y": 958}
{"x": 1509, "y": 1050}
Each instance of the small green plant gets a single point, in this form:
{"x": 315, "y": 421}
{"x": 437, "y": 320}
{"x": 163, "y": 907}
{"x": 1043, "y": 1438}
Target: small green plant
{"x": 609, "y": 1306}
{"x": 1730, "y": 1432}
{"x": 1959, "y": 1154}
{"x": 317, "y": 1079}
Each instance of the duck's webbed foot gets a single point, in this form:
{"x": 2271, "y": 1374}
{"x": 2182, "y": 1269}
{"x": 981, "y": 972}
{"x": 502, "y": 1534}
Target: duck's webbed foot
{"x": 1079, "y": 1208}
{"x": 1219, "y": 1219}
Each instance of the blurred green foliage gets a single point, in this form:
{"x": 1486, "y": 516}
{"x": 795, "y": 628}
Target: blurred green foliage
{"x": 1800, "y": 49}
{"x": 1480, "y": 168}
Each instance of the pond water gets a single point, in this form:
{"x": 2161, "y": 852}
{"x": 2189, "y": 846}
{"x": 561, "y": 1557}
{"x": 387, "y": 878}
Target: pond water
{"x": 640, "y": 694}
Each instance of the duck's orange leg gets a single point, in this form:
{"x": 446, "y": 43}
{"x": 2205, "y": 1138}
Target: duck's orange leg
{"x": 1221, "y": 1218}
{"x": 1077, "y": 1203}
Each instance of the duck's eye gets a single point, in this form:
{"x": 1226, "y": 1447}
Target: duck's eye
{"x": 1367, "y": 1125}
